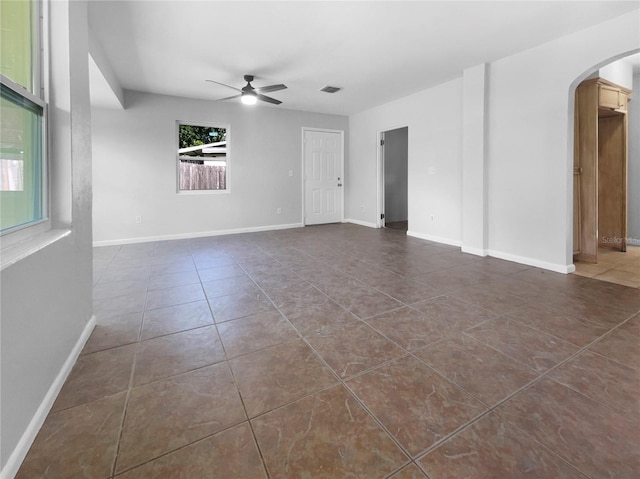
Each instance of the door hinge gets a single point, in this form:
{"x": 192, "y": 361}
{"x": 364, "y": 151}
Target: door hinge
{"x": 382, "y": 216}
{"x": 381, "y": 142}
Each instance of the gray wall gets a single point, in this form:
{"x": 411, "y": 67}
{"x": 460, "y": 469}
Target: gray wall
{"x": 46, "y": 297}
{"x": 396, "y": 170}
{"x": 134, "y": 155}
{"x": 633, "y": 230}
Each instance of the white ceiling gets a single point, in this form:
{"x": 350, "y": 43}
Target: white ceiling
{"x": 376, "y": 51}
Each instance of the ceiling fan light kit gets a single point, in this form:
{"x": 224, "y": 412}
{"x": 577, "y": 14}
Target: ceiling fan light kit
{"x": 249, "y": 95}
{"x": 249, "y": 98}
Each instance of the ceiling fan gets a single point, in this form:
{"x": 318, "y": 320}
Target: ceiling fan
{"x": 250, "y": 95}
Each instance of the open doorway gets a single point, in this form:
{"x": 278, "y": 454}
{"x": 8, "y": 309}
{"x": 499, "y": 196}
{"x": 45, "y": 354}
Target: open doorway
{"x": 394, "y": 155}
{"x": 606, "y": 203}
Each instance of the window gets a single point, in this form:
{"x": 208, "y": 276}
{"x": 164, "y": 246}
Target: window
{"x": 203, "y": 154}
{"x": 22, "y": 112}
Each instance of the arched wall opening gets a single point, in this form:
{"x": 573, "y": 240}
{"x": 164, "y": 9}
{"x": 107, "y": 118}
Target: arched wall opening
{"x": 587, "y": 74}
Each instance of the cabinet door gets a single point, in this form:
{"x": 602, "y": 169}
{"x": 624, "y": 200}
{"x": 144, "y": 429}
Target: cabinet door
{"x": 577, "y": 226}
{"x": 609, "y": 97}
{"x": 586, "y": 170}
{"x": 612, "y": 182}
{"x": 623, "y": 99}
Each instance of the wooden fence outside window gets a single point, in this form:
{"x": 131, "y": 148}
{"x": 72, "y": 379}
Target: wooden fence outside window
{"x": 194, "y": 176}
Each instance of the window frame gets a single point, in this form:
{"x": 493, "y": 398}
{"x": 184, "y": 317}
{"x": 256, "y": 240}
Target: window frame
{"x": 37, "y": 96}
{"x": 176, "y": 143}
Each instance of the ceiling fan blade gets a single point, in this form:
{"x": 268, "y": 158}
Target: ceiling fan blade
{"x": 268, "y": 99}
{"x": 229, "y": 97}
{"x": 224, "y": 84}
{"x": 267, "y": 89}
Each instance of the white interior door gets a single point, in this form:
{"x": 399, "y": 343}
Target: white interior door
{"x": 323, "y": 180}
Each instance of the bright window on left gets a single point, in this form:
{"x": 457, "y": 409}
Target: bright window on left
{"x": 22, "y": 114}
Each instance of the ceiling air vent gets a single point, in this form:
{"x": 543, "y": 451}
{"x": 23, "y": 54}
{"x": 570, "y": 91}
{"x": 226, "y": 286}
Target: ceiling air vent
{"x": 330, "y": 89}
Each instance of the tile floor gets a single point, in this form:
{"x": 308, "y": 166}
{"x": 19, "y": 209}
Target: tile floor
{"x": 339, "y": 351}
{"x": 614, "y": 267}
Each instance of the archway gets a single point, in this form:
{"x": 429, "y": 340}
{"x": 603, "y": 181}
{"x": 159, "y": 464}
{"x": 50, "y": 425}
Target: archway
{"x": 598, "y": 170}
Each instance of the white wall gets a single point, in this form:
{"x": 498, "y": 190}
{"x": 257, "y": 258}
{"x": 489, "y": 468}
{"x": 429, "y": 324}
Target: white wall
{"x": 134, "y": 154}
{"x": 46, "y": 297}
{"x": 396, "y": 170}
{"x": 619, "y": 72}
{"x": 633, "y": 229}
{"x": 529, "y": 141}
{"x": 435, "y": 127}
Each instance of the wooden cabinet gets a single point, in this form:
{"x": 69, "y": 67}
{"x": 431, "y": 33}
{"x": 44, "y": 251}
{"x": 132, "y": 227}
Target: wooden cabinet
{"x": 600, "y": 169}
{"x": 612, "y": 97}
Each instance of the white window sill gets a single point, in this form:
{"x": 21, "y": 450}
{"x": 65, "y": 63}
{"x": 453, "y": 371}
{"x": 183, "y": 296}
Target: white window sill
{"x": 204, "y": 192}
{"x": 19, "y": 251}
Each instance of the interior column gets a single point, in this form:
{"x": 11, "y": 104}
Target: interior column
{"x": 474, "y": 192}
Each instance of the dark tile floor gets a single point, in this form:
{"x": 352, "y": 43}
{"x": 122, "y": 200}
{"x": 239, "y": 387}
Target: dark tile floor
{"x": 340, "y": 351}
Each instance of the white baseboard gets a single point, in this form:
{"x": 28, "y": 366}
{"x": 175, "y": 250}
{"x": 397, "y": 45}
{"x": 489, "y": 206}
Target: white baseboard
{"x": 558, "y": 268}
{"x": 474, "y": 251}
{"x": 435, "y": 239}
{"x": 203, "y": 234}
{"x": 361, "y": 223}
{"x": 12, "y": 466}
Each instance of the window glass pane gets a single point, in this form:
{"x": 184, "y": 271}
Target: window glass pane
{"x": 21, "y": 199}
{"x": 202, "y": 157}
{"x": 16, "y": 41}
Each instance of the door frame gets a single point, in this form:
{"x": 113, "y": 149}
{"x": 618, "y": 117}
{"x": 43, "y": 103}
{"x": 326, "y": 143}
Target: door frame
{"x": 380, "y": 198}
{"x": 305, "y": 129}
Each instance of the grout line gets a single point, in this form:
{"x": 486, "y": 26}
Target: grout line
{"x": 129, "y": 390}
{"x": 235, "y": 383}
{"x": 402, "y": 468}
{"x": 179, "y": 448}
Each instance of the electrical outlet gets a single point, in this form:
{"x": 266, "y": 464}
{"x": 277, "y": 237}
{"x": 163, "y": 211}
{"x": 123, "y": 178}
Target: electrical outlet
{"x": 433, "y": 218}
{"x": 279, "y": 210}
{"x": 138, "y": 219}
{"x": 290, "y": 172}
